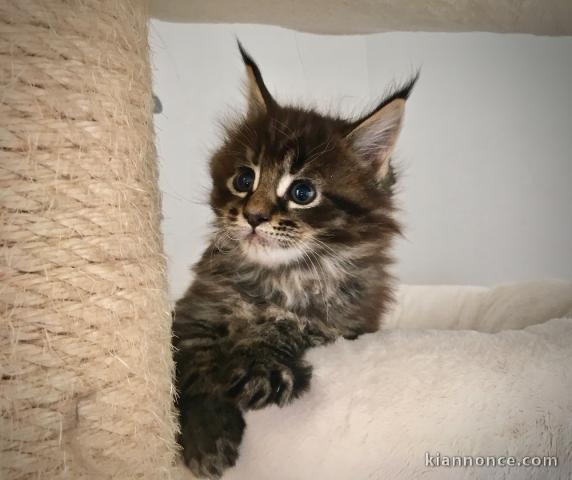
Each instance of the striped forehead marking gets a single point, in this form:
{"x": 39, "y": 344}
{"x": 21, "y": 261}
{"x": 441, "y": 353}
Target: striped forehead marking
{"x": 286, "y": 179}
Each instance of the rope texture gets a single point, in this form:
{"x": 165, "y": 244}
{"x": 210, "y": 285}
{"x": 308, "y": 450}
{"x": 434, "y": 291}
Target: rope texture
{"x": 85, "y": 355}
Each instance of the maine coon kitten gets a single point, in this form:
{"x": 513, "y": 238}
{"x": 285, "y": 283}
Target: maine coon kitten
{"x": 303, "y": 221}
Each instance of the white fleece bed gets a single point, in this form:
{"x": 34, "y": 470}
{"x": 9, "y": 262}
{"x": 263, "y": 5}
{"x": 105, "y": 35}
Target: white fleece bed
{"x": 380, "y": 404}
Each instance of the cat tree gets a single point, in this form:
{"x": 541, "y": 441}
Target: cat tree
{"x": 84, "y": 353}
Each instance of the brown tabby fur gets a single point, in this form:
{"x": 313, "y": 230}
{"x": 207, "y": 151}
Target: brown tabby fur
{"x": 303, "y": 277}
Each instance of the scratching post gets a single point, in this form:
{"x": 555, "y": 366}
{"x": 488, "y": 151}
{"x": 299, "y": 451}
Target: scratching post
{"x": 84, "y": 353}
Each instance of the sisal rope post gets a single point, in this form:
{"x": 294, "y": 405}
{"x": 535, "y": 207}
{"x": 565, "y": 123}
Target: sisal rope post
{"x": 85, "y": 328}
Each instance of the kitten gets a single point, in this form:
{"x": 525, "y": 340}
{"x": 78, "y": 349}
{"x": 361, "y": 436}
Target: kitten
{"x": 304, "y": 218}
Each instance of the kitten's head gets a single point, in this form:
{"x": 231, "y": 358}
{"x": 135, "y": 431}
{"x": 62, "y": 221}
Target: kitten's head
{"x": 290, "y": 184}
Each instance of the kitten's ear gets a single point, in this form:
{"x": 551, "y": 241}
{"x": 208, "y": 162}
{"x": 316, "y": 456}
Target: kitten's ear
{"x": 259, "y": 98}
{"x": 373, "y": 137}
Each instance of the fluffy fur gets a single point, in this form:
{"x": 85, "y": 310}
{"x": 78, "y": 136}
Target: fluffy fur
{"x": 304, "y": 219}
{"x": 378, "y": 404}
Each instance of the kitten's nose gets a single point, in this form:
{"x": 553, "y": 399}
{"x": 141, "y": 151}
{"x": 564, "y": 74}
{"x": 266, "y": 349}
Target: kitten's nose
{"x": 256, "y": 218}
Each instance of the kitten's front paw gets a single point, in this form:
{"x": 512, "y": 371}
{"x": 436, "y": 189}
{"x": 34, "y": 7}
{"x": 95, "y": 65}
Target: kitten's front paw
{"x": 257, "y": 382}
{"x": 211, "y": 432}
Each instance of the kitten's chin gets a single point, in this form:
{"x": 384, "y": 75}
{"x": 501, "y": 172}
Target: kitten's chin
{"x": 268, "y": 255}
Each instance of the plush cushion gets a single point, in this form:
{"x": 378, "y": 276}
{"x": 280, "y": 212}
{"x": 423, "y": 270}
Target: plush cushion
{"x": 427, "y": 387}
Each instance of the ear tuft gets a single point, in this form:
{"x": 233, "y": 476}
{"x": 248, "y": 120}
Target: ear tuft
{"x": 373, "y": 137}
{"x": 259, "y": 98}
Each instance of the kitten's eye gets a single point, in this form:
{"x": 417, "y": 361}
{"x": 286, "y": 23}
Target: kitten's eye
{"x": 244, "y": 180}
{"x": 302, "y": 192}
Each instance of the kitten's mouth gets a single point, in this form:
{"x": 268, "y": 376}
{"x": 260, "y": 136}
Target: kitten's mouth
{"x": 258, "y": 238}
{"x": 267, "y": 250}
